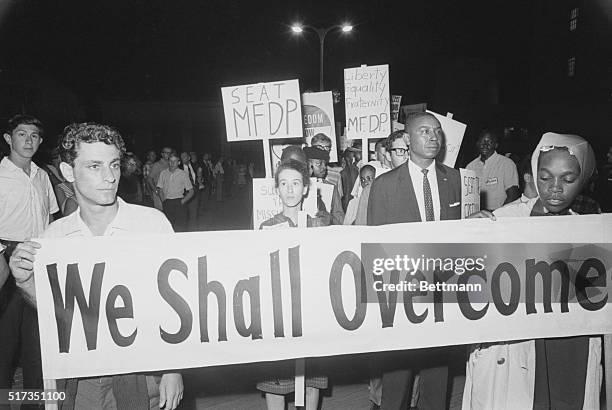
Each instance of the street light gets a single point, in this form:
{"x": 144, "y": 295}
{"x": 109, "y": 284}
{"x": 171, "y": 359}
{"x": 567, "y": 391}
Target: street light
{"x": 321, "y": 32}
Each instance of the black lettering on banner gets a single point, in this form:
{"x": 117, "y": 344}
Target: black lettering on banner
{"x": 542, "y": 268}
{"x": 438, "y": 296}
{"x": 205, "y": 288}
{"x": 409, "y": 303}
{"x": 387, "y": 308}
{"x": 583, "y": 282}
{"x": 277, "y": 297}
{"x": 251, "y": 287}
{"x": 463, "y": 297}
{"x": 296, "y": 291}
{"x": 335, "y": 290}
{"x": 176, "y": 301}
{"x": 515, "y": 288}
{"x": 64, "y": 309}
{"x": 113, "y": 313}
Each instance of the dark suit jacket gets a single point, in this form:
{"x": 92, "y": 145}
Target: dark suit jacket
{"x": 392, "y": 198}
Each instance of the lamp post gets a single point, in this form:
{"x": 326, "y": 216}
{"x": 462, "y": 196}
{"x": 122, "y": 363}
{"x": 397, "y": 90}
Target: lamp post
{"x": 321, "y": 32}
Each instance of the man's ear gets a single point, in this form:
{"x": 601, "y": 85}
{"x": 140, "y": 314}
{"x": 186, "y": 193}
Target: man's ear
{"x": 67, "y": 171}
{"x": 7, "y": 138}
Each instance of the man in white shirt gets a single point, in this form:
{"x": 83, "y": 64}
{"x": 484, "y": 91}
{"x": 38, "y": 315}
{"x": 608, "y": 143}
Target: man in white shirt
{"x": 26, "y": 203}
{"x": 498, "y": 175}
{"x": 175, "y": 190}
{"x": 91, "y": 160}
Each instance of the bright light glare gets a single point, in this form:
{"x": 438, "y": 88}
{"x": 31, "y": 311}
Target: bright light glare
{"x": 347, "y": 27}
{"x": 296, "y": 28}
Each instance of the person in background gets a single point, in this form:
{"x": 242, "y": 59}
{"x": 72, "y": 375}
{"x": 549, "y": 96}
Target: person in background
{"x": 604, "y": 183}
{"x": 396, "y": 148}
{"x": 156, "y": 170}
{"x": 193, "y": 205}
{"x": 367, "y": 174}
{"x": 318, "y": 159}
{"x": 292, "y": 181}
{"x": 146, "y": 171}
{"x": 91, "y": 160}
{"x": 130, "y": 183}
{"x": 498, "y": 175}
{"x": 218, "y": 174}
{"x": 349, "y": 173}
{"x": 27, "y": 202}
{"x": 64, "y": 191}
{"x": 554, "y": 373}
{"x": 175, "y": 190}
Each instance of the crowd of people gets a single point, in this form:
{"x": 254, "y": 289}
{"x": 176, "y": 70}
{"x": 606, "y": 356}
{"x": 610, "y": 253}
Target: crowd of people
{"x": 92, "y": 187}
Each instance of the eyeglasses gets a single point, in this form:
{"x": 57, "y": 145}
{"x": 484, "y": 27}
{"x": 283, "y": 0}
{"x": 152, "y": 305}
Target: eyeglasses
{"x": 399, "y": 151}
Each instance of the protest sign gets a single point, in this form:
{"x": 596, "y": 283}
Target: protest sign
{"x": 395, "y": 106}
{"x": 325, "y": 191}
{"x": 217, "y": 298}
{"x": 267, "y": 203}
{"x": 408, "y": 109}
{"x": 453, "y": 136}
{"x": 470, "y": 193}
{"x": 318, "y": 113}
{"x": 262, "y": 111}
{"x": 366, "y": 98}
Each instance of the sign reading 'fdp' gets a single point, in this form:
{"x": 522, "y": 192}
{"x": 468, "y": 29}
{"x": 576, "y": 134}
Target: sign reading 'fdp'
{"x": 215, "y": 298}
{"x": 263, "y": 111}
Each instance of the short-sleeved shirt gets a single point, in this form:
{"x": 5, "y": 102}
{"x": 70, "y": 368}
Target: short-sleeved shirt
{"x": 26, "y": 201}
{"x": 174, "y": 184}
{"x": 130, "y": 220}
{"x": 157, "y": 168}
{"x": 496, "y": 174}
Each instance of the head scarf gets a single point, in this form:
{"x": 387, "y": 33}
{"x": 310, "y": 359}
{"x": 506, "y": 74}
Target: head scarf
{"x": 577, "y": 146}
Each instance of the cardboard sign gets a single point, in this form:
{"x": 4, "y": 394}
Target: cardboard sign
{"x": 470, "y": 192}
{"x": 366, "y": 98}
{"x": 453, "y": 136}
{"x": 395, "y": 107}
{"x": 318, "y": 113}
{"x": 326, "y": 191}
{"x": 106, "y": 304}
{"x": 267, "y": 203}
{"x": 262, "y": 111}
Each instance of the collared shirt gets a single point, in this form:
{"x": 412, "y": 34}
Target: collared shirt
{"x": 191, "y": 173}
{"x": 130, "y": 220}
{"x": 26, "y": 201}
{"x": 496, "y": 174}
{"x": 174, "y": 184}
{"x": 416, "y": 175}
{"x": 521, "y": 207}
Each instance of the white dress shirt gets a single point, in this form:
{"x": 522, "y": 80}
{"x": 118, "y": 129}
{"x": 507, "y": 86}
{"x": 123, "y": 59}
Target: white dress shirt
{"x": 417, "y": 183}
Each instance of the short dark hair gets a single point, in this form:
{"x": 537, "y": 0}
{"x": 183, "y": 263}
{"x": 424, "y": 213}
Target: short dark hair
{"x": 493, "y": 133}
{"x": 367, "y": 167}
{"x": 296, "y": 166}
{"x": 395, "y": 135}
{"x": 320, "y": 137}
{"x": 21, "y": 119}
{"x": 87, "y": 132}
{"x": 294, "y": 152}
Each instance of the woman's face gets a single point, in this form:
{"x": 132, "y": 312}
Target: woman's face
{"x": 291, "y": 188}
{"x": 558, "y": 179}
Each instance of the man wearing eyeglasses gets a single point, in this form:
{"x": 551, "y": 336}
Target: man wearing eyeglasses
{"x": 397, "y": 148}
{"x": 419, "y": 190}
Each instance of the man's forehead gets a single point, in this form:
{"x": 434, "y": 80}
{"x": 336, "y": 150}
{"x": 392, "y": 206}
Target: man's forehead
{"x": 427, "y": 121}
{"x": 27, "y": 127}
{"x": 97, "y": 151}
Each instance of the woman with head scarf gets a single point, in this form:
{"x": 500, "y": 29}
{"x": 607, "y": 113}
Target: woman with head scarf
{"x": 553, "y": 373}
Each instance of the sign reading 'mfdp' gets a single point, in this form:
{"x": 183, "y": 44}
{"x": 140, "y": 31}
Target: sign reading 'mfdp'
{"x": 366, "y": 99}
{"x": 262, "y": 111}
{"x": 106, "y": 304}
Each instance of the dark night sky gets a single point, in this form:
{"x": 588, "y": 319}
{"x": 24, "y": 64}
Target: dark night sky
{"x": 187, "y": 50}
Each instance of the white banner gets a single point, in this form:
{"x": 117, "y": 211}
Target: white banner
{"x": 262, "y": 111}
{"x": 366, "y": 98}
{"x": 110, "y": 305}
{"x": 470, "y": 193}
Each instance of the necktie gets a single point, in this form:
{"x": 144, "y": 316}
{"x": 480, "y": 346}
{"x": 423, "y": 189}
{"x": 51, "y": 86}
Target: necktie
{"x": 429, "y": 211}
